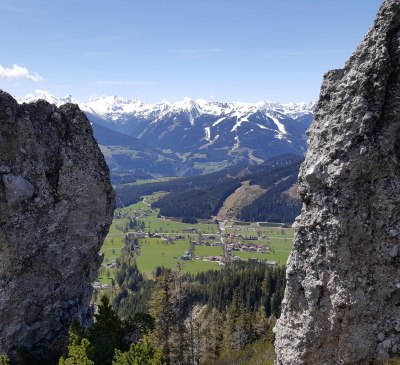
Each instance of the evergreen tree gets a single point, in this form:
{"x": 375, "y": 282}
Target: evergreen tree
{"x": 211, "y": 326}
{"x": 180, "y": 336}
{"x": 261, "y": 322}
{"x": 161, "y": 309}
{"x": 106, "y": 334}
{"x": 77, "y": 351}
{"x": 4, "y": 360}
{"x": 238, "y": 328}
{"x": 139, "y": 354}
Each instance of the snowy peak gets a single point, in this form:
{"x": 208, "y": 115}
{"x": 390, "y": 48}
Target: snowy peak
{"x": 199, "y": 132}
{"x": 114, "y": 107}
{"x": 45, "y": 95}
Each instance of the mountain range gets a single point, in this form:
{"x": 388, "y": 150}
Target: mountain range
{"x": 189, "y": 137}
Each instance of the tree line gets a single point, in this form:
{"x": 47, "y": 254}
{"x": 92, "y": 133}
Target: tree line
{"x": 200, "y": 197}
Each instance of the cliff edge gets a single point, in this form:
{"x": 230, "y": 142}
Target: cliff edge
{"x": 56, "y": 205}
{"x": 342, "y": 300}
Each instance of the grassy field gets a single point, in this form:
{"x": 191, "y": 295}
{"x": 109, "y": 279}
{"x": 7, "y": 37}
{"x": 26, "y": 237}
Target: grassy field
{"x": 203, "y": 251}
{"x": 280, "y": 249}
{"x": 156, "y": 252}
{"x": 162, "y": 225}
{"x": 267, "y": 224}
{"x": 114, "y": 241}
{"x": 196, "y": 266}
{"x": 251, "y": 255}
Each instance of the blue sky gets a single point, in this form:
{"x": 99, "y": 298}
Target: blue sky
{"x": 227, "y": 50}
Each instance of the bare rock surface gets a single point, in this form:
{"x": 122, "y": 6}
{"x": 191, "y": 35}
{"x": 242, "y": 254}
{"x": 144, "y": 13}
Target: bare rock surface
{"x": 342, "y": 300}
{"x": 56, "y": 205}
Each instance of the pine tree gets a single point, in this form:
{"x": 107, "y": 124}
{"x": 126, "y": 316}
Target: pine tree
{"x": 139, "y": 354}
{"x": 232, "y": 315}
{"x": 106, "y": 334}
{"x": 77, "y": 351}
{"x": 180, "y": 335}
{"x": 161, "y": 309}
{"x": 4, "y": 360}
{"x": 211, "y": 335}
{"x": 261, "y": 323}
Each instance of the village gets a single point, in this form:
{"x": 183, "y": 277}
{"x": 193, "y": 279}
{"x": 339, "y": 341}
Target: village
{"x": 207, "y": 245}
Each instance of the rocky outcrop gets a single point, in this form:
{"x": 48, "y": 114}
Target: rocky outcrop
{"x": 342, "y": 300}
{"x": 56, "y": 205}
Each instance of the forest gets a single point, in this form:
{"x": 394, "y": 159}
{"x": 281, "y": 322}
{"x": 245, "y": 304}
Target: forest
{"x": 200, "y": 197}
{"x": 206, "y": 318}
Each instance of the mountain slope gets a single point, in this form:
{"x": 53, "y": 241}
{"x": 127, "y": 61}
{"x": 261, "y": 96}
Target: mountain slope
{"x": 208, "y": 130}
{"x": 196, "y": 136}
{"x": 203, "y": 196}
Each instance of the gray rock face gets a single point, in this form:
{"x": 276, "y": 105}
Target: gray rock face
{"x": 56, "y": 205}
{"x": 342, "y": 301}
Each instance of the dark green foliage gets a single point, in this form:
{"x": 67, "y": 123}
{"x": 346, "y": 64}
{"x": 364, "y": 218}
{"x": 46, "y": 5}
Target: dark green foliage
{"x": 273, "y": 205}
{"x": 252, "y": 283}
{"x": 135, "y": 224}
{"x": 191, "y": 220}
{"x": 106, "y": 334}
{"x": 202, "y": 196}
{"x": 162, "y": 309}
{"x": 134, "y": 291}
{"x": 200, "y": 318}
{"x": 200, "y": 202}
{"x": 4, "y": 360}
{"x": 77, "y": 351}
{"x": 138, "y": 325}
{"x": 257, "y": 353}
{"x": 140, "y": 354}
{"x": 238, "y": 327}
{"x": 191, "y": 332}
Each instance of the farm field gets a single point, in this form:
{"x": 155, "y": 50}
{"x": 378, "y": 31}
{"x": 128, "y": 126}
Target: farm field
{"x": 204, "y": 251}
{"x": 155, "y": 251}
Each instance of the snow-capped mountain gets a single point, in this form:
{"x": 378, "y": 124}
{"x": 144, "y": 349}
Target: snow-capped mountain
{"x": 243, "y": 130}
{"x": 202, "y": 131}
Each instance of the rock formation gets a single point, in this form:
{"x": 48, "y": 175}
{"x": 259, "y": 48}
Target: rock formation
{"x": 342, "y": 300}
{"x": 56, "y": 205}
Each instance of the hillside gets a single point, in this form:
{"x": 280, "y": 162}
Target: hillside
{"x": 190, "y": 137}
{"x": 202, "y": 197}
{"x": 240, "y": 198}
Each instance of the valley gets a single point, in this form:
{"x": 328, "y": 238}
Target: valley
{"x": 190, "y": 248}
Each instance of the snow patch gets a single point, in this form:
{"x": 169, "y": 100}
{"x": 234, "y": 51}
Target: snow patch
{"x": 237, "y": 143}
{"x": 218, "y": 121}
{"x": 239, "y": 122}
{"x": 280, "y": 126}
{"x": 208, "y": 134}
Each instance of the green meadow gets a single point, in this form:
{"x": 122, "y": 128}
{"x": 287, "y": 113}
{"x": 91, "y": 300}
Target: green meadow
{"x": 157, "y": 252}
{"x": 204, "y": 251}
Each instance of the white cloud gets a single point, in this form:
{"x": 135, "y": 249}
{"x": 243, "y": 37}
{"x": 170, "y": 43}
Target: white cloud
{"x": 18, "y": 72}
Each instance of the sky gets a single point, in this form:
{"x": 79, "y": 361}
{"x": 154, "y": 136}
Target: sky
{"x": 155, "y": 50}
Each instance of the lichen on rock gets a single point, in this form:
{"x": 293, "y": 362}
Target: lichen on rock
{"x": 342, "y": 300}
{"x": 56, "y": 205}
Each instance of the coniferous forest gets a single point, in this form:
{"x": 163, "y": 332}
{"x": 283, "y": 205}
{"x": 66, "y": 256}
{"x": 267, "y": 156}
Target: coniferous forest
{"x": 215, "y": 317}
{"x": 200, "y": 197}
